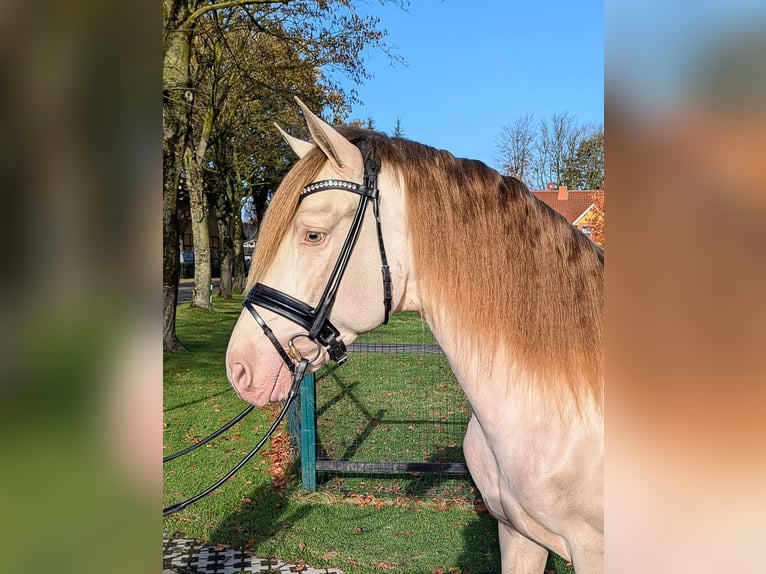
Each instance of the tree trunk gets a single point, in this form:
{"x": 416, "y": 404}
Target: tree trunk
{"x": 239, "y": 270}
{"x": 202, "y": 293}
{"x": 176, "y": 110}
{"x": 202, "y": 290}
{"x": 226, "y": 272}
{"x": 171, "y": 264}
{"x": 223, "y": 212}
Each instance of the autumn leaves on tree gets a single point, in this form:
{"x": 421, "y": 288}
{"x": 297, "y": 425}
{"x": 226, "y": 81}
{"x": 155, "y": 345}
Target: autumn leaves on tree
{"x": 230, "y": 69}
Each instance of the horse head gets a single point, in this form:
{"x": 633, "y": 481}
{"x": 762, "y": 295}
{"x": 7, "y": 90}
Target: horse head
{"x": 304, "y": 235}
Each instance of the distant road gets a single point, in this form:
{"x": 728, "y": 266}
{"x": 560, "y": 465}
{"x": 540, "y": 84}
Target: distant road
{"x": 185, "y": 289}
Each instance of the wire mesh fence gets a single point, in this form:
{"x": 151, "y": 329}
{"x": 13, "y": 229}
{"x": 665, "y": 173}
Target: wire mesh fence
{"x": 391, "y": 421}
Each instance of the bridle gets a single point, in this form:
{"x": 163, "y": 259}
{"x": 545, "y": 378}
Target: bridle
{"x": 315, "y": 320}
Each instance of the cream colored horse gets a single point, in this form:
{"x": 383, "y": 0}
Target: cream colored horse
{"x": 512, "y": 293}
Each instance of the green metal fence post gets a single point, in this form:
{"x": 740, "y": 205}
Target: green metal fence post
{"x": 308, "y": 433}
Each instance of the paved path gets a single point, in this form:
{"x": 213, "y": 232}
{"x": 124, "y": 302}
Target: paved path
{"x": 190, "y": 556}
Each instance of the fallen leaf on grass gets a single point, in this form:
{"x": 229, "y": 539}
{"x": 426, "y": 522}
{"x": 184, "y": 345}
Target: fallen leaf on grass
{"x": 439, "y": 570}
{"x": 302, "y": 545}
{"x": 385, "y": 565}
{"x": 329, "y": 555}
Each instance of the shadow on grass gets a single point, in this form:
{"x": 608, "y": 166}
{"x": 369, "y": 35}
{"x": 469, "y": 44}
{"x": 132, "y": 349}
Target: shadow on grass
{"x": 199, "y": 400}
{"x": 476, "y": 559}
{"x": 481, "y": 550}
{"x": 264, "y": 518}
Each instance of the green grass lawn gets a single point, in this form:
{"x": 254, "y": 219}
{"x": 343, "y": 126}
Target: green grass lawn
{"x": 393, "y": 408}
{"x": 406, "y": 327}
{"x": 268, "y": 512}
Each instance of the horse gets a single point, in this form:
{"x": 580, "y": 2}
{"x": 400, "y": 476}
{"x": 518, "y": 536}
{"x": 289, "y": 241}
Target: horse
{"x": 512, "y": 292}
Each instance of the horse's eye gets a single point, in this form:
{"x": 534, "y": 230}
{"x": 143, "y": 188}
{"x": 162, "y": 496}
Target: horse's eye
{"x": 314, "y": 236}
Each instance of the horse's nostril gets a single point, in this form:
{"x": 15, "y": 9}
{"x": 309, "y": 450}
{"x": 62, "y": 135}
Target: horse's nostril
{"x": 240, "y": 376}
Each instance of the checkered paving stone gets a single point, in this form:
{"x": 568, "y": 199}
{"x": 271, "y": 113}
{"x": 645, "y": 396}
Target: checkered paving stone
{"x": 190, "y": 556}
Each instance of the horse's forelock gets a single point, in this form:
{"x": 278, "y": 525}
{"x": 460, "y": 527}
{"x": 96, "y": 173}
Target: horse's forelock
{"x": 280, "y": 213}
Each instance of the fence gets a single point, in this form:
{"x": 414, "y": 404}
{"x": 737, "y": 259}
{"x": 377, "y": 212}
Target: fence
{"x": 390, "y": 421}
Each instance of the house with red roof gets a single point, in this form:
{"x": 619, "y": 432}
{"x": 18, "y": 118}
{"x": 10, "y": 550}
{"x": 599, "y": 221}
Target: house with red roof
{"x": 577, "y": 206}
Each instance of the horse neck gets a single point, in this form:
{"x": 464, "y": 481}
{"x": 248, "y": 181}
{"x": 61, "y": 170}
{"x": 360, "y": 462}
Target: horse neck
{"x": 471, "y": 360}
{"x": 494, "y": 382}
{"x": 495, "y": 386}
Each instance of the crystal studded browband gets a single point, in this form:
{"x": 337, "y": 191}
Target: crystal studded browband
{"x": 330, "y": 184}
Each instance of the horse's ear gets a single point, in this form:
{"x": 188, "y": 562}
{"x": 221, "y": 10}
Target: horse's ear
{"x": 338, "y": 149}
{"x": 300, "y": 147}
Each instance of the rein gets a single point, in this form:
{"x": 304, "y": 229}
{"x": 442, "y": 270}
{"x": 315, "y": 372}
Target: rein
{"x": 297, "y": 378}
{"x": 315, "y": 320}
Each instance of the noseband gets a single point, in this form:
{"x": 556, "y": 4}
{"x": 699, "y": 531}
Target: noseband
{"x": 316, "y": 320}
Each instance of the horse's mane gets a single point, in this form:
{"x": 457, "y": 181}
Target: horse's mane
{"x": 513, "y": 273}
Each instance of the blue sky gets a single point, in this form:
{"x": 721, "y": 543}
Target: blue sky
{"x": 474, "y": 66}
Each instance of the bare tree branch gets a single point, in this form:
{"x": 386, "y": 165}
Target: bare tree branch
{"x": 230, "y": 4}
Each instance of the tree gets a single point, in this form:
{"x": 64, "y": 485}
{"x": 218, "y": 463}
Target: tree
{"x": 558, "y": 139}
{"x": 324, "y": 32}
{"x": 248, "y": 157}
{"x": 176, "y": 109}
{"x": 557, "y": 149}
{"x": 367, "y": 124}
{"x": 516, "y": 146}
{"x": 211, "y": 88}
{"x": 398, "y": 130}
{"x": 585, "y": 169}
{"x": 597, "y": 222}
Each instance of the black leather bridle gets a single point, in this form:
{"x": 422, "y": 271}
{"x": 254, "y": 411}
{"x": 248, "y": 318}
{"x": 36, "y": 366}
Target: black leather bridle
{"x": 315, "y": 320}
